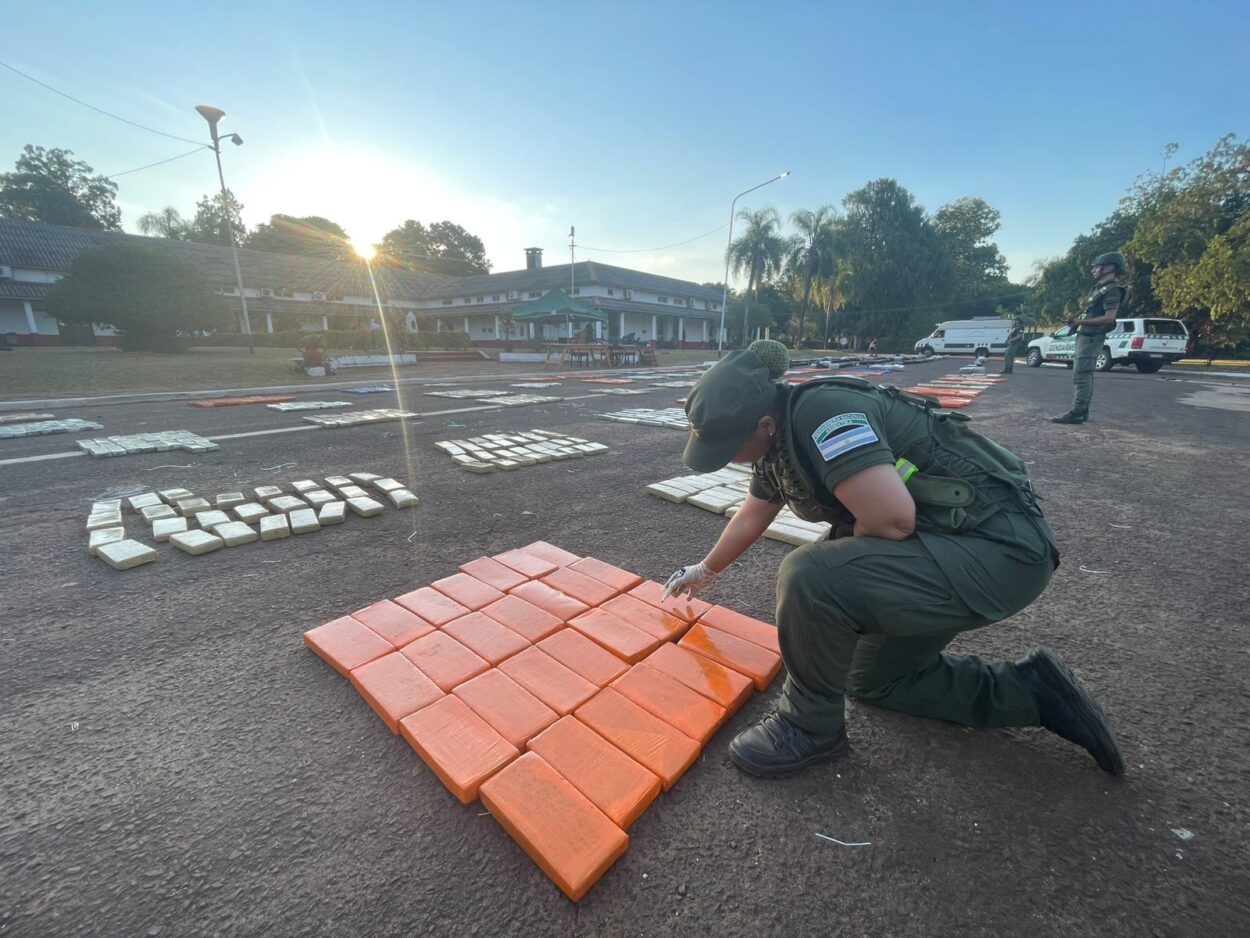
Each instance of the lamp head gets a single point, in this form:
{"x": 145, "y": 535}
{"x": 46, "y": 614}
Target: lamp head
{"x": 784, "y": 175}
{"x": 236, "y": 140}
{"x": 211, "y": 114}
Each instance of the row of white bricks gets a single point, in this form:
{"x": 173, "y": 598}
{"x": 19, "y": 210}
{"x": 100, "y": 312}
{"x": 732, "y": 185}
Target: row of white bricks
{"x": 510, "y": 451}
{"x": 723, "y": 493}
{"x": 672, "y": 417}
{"x": 171, "y": 512}
{"x": 135, "y": 443}
{"x": 44, "y": 426}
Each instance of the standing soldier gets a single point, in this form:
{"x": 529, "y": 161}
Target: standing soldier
{"x": 936, "y": 532}
{"x": 1098, "y": 318}
{"x": 1013, "y": 345}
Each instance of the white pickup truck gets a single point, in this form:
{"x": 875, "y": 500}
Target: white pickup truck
{"x": 1149, "y": 344}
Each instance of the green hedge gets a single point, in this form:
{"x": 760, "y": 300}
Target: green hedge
{"x": 341, "y": 341}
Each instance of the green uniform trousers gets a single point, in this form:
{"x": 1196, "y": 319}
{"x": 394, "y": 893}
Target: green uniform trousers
{"x": 1009, "y": 357}
{"x": 870, "y": 617}
{"x": 1087, "y": 349}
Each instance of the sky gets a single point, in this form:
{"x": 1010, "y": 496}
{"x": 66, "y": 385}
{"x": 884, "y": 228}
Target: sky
{"x": 636, "y": 122}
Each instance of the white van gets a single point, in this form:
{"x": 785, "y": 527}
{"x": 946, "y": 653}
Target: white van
{"x": 966, "y": 337}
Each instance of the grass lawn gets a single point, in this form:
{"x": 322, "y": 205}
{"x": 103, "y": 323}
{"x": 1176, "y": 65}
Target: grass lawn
{"x": 32, "y": 372}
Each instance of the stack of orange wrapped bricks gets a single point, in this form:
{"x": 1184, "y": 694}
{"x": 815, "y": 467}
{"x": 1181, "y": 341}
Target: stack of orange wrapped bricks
{"x": 560, "y": 690}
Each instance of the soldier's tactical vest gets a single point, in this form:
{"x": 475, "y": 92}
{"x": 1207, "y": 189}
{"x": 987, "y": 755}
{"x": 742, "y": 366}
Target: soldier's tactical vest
{"x": 961, "y": 478}
{"x": 1094, "y": 307}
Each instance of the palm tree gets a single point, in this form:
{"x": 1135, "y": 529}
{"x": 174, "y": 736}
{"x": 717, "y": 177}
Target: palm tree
{"x": 811, "y": 250}
{"x": 167, "y": 223}
{"x": 757, "y": 251}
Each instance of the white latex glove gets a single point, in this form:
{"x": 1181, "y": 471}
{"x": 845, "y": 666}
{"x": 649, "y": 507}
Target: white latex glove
{"x": 689, "y": 580}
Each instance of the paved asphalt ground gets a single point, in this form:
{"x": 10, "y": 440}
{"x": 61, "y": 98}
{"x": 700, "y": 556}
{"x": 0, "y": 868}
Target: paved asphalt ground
{"x": 175, "y": 762}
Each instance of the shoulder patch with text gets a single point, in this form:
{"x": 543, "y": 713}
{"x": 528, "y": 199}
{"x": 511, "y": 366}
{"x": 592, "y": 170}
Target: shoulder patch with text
{"x": 843, "y": 433}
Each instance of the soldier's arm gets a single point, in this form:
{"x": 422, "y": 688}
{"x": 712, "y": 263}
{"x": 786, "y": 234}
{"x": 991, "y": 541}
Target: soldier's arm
{"x": 743, "y": 530}
{"x": 880, "y": 502}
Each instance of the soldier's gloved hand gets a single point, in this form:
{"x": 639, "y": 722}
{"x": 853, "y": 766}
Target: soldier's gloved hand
{"x": 689, "y": 580}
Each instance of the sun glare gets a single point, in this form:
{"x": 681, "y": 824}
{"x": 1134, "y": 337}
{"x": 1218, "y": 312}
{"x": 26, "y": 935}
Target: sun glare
{"x": 364, "y": 249}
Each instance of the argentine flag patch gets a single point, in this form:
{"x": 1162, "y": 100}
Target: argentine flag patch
{"x": 843, "y": 433}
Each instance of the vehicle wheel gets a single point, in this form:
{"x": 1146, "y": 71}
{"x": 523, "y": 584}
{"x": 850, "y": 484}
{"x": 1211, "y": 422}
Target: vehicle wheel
{"x": 1068, "y": 364}
{"x": 927, "y": 352}
{"x": 1148, "y": 368}
{"x": 981, "y": 353}
{"x": 1034, "y": 358}
{"x": 1103, "y": 362}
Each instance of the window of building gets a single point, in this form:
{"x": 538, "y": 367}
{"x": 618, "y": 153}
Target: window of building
{"x": 611, "y": 292}
{"x": 481, "y": 299}
{"x": 577, "y": 291}
{"x": 535, "y": 294}
{"x": 495, "y": 298}
{"x": 447, "y": 302}
{"x": 661, "y": 299}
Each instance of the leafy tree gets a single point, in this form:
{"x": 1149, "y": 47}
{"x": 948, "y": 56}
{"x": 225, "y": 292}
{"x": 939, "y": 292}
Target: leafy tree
{"x": 758, "y": 251}
{"x": 51, "y": 186}
{"x": 308, "y": 236}
{"x": 1197, "y": 242}
{"x": 216, "y": 217}
{"x": 152, "y": 296}
{"x": 896, "y": 264}
{"x": 442, "y": 248}
{"x": 811, "y": 252}
{"x": 166, "y": 223}
{"x": 965, "y": 227}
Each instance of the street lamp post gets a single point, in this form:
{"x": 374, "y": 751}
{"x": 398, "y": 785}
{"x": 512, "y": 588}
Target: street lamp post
{"x": 214, "y": 115}
{"x": 720, "y": 343}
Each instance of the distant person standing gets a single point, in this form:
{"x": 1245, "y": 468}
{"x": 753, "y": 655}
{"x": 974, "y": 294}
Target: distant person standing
{"x": 872, "y": 346}
{"x": 1102, "y": 306}
{"x": 1013, "y": 345}
{"x": 842, "y": 342}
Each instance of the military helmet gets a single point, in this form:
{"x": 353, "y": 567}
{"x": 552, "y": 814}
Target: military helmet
{"x": 1111, "y": 259}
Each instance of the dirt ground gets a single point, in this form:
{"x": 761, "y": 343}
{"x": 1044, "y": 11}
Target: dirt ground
{"x": 177, "y": 763}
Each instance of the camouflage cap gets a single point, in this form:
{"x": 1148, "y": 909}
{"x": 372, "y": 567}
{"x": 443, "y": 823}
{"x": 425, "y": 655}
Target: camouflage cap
{"x": 725, "y": 407}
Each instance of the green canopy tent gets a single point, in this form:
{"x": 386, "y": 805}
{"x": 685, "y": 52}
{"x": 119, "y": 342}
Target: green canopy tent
{"x": 556, "y": 306}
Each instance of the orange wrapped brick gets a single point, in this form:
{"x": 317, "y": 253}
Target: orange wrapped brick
{"x": 560, "y": 605}
{"x": 759, "y": 664}
{"x": 525, "y": 563}
{"x": 394, "y": 687}
{"x": 616, "y": 635}
{"x": 651, "y": 619}
{"x": 560, "y": 688}
{"x": 660, "y": 747}
{"x": 444, "y": 660}
{"x": 345, "y": 644}
{"x": 620, "y": 580}
{"x": 526, "y": 619}
{"x": 671, "y": 701}
{"x": 579, "y": 586}
{"x": 486, "y": 637}
{"x": 735, "y": 623}
{"x": 557, "y": 555}
{"x": 578, "y": 653}
{"x": 515, "y": 713}
{"x": 471, "y": 593}
{"x": 689, "y": 609}
{"x": 393, "y": 622}
{"x": 620, "y": 787}
{"x": 714, "y": 681}
{"x": 432, "y": 606}
{"x": 457, "y": 744}
{"x": 493, "y": 573}
{"x": 571, "y": 840}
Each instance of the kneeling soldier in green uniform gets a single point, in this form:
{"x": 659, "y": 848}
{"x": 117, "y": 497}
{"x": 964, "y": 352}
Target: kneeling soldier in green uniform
{"x": 1102, "y": 306}
{"x": 936, "y": 532}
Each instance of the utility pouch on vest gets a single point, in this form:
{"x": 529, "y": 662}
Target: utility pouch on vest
{"x": 940, "y": 492}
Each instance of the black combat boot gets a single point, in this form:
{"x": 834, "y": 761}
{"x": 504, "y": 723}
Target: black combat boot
{"x": 1068, "y": 710}
{"x": 1072, "y": 416}
{"x": 774, "y": 747}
